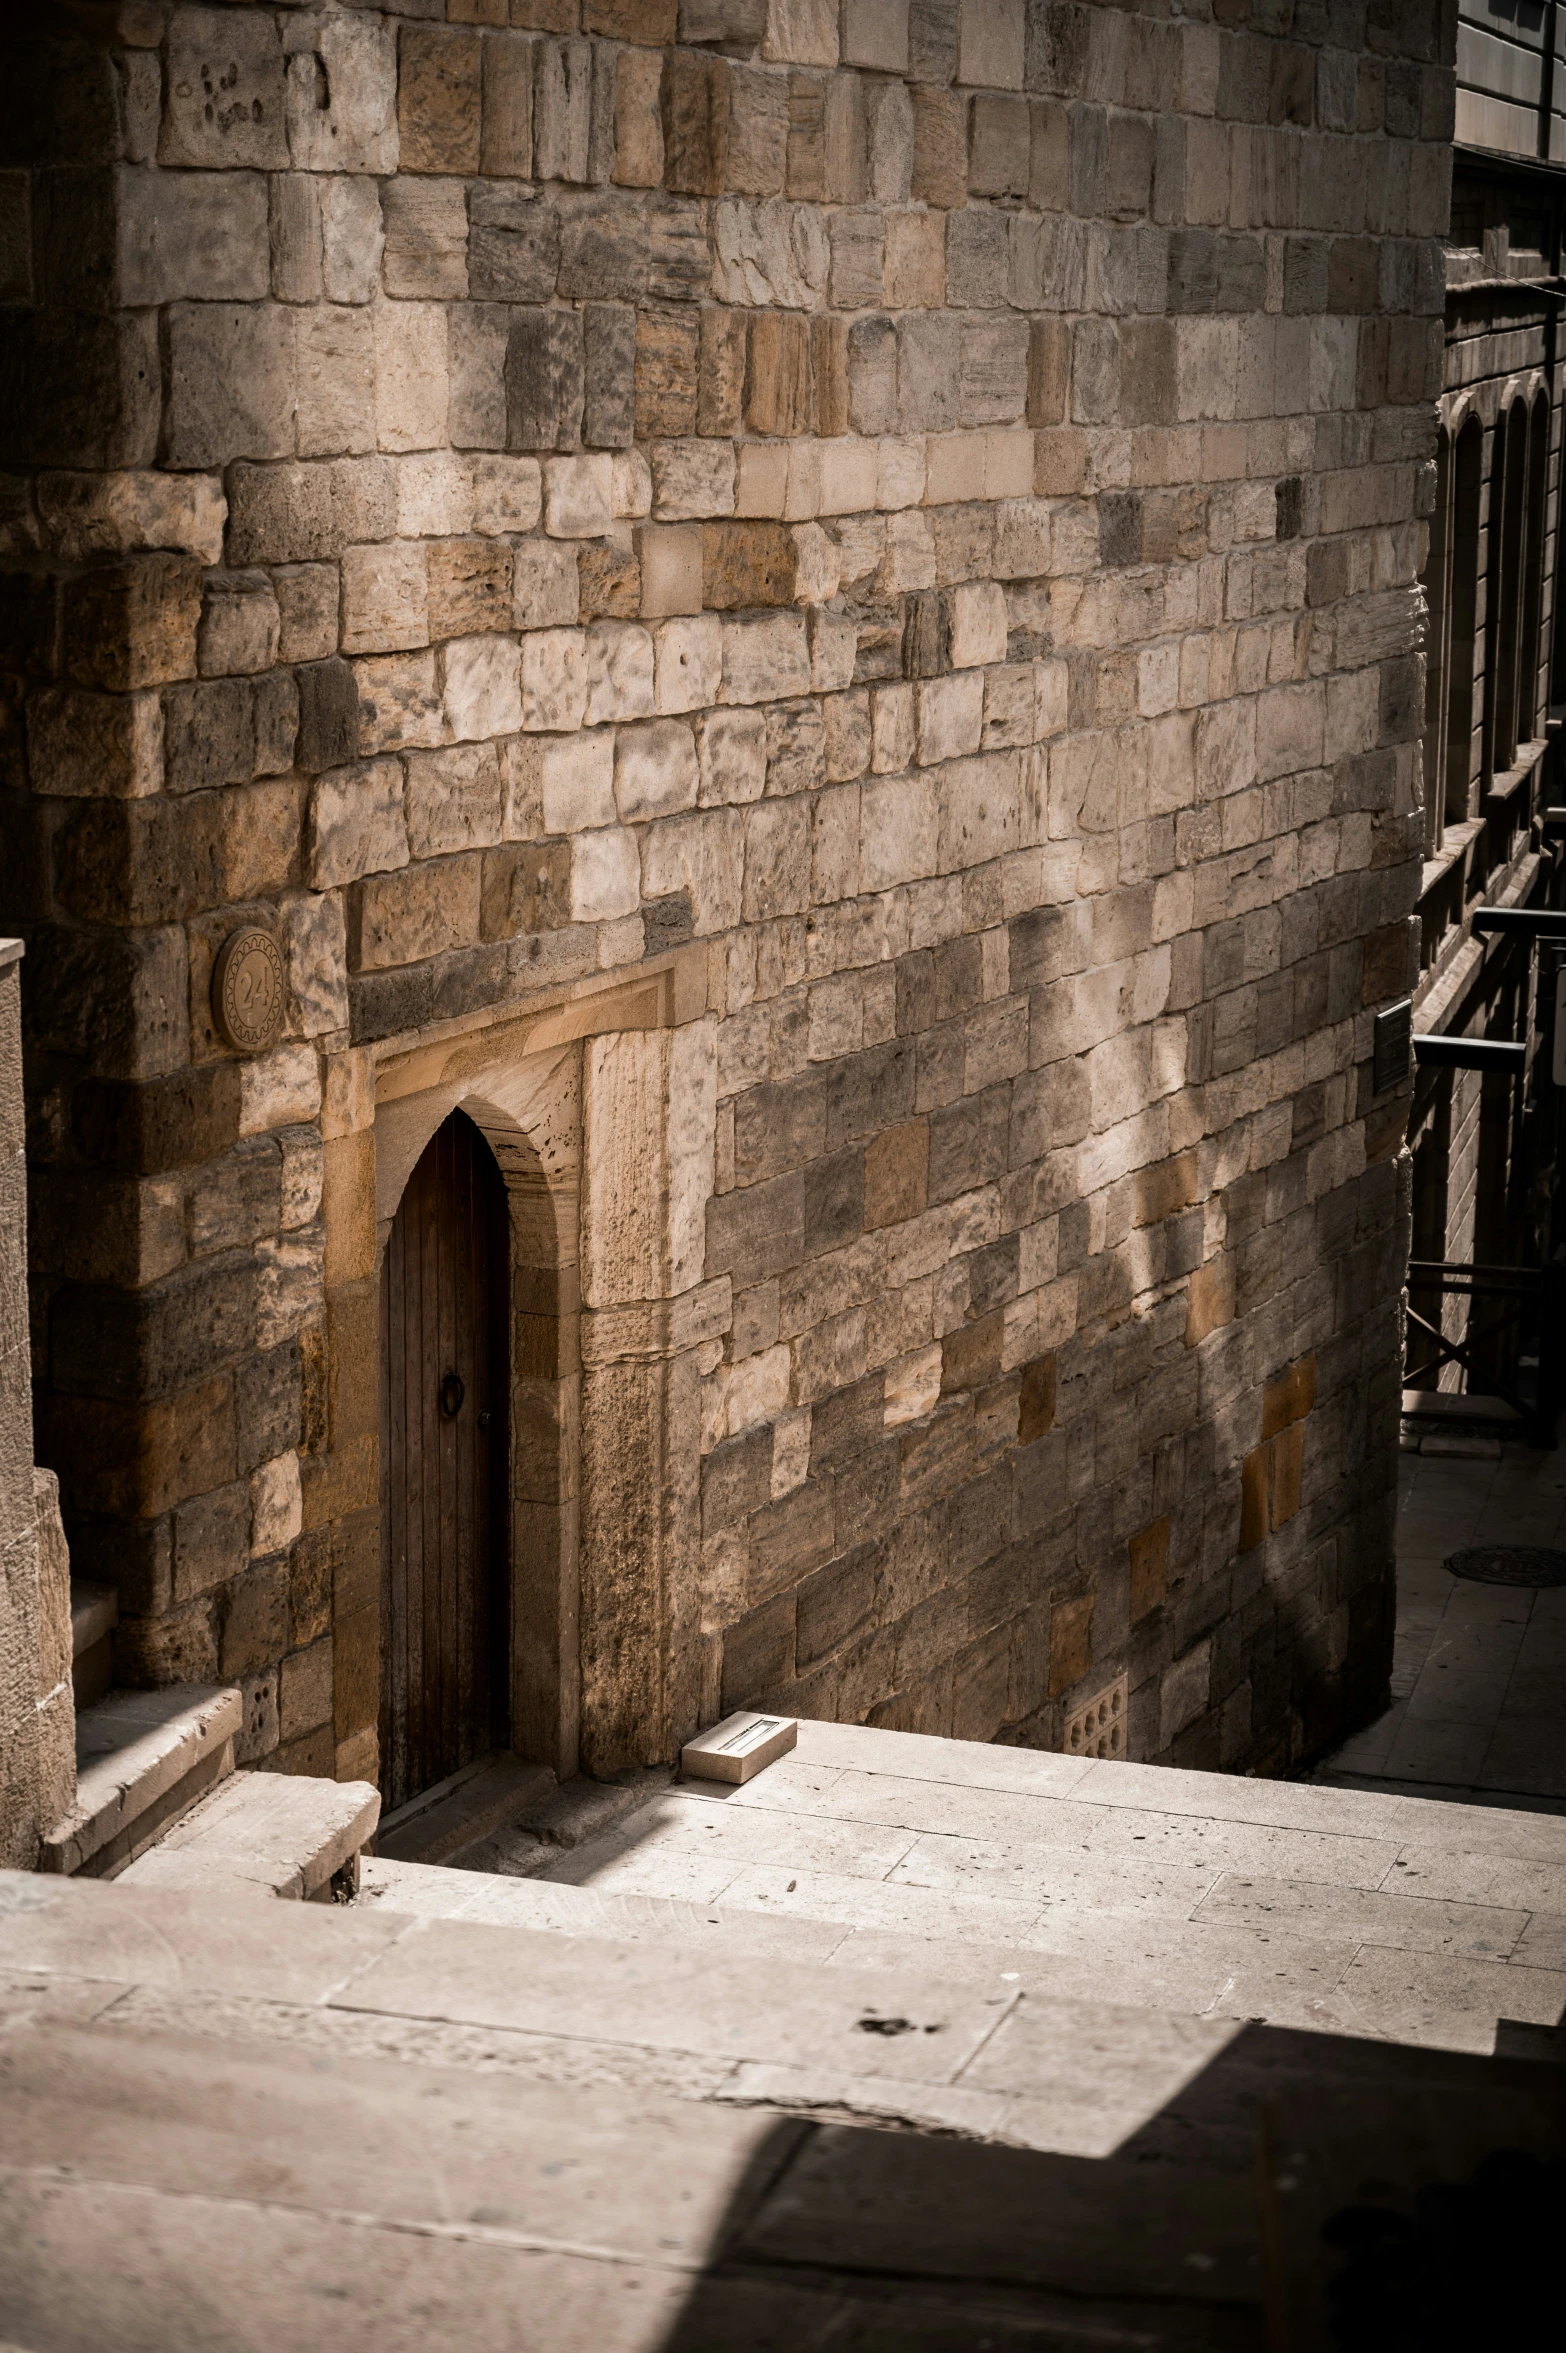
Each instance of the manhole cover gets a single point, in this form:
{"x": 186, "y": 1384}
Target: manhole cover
{"x": 1509, "y": 1564}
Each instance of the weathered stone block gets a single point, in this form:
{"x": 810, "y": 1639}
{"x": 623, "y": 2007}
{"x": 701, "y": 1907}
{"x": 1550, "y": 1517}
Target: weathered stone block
{"x": 385, "y": 597}
{"x": 422, "y": 911}
{"x": 609, "y": 356}
{"x": 562, "y": 109}
{"x": 134, "y": 624}
{"x": 356, "y": 824}
{"x": 328, "y": 715}
{"x": 335, "y": 371}
{"x": 554, "y": 679}
{"x": 342, "y": 94}
{"x": 83, "y": 743}
{"x": 439, "y": 98}
{"x": 231, "y": 383}
{"x": 655, "y": 770}
{"x": 288, "y": 514}
{"x": 240, "y": 625}
{"x": 692, "y": 479}
{"x": 426, "y": 229}
{"x": 223, "y": 99}
{"x": 603, "y": 248}
{"x": 453, "y": 800}
{"x": 527, "y": 890}
{"x": 513, "y": 245}
{"x": 202, "y": 235}
{"x": 940, "y": 147}
{"x": 610, "y": 581}
{"x": 506, "y": 144}
{"x": 544, "y": 381}
{"x": 411, "y": 375}
{"x": 482, "y": 687}
{"x": 469, "y": 586}
{"x": 875, "y": 34}
{"x": 605, "y": 876}
{"x": 353, "y": 239}
{"x": 547, "y": 585}
{"x": 638, "y": 121}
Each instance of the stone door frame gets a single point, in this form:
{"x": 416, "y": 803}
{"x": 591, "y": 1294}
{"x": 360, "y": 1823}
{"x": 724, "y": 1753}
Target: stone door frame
{"x": 599, "y": 1106}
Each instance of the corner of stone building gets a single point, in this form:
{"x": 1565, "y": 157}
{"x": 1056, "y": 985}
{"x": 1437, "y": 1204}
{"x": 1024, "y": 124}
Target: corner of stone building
{"x": 924, "y": 509}
{"x": 37, "y": 1706}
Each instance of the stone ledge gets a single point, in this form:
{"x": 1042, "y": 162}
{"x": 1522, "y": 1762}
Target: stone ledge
{"x": 280, "y": 1834}
{"x": 133, "y": 1750}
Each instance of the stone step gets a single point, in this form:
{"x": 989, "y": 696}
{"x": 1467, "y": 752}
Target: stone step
{"x": 280, "y": 1834}
{"x": 142, "y": 1759}
{"x": 1074, "y": 1878}
{"x": 95, "y": 1612}
{"x": 210, "y": 2100}
{"x": 507, "y": 1816}
{"x": 441, "y": 1823}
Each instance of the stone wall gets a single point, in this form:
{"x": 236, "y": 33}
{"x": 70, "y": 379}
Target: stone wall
{"x": 37, "y": 1709}
{"x": 847, "y": 578}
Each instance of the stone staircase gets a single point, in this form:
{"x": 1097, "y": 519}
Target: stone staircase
{"x": 657, "y": 2122}
{"x": 1190, "y": 1894}
{"x": 158, "y": 1799}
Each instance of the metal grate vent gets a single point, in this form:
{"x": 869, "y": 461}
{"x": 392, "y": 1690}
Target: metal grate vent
{"x": 1508, "y": 1564}
{"x": 1098, "y": 1727}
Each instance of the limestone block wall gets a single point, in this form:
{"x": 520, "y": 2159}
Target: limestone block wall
{"x": 896, "y": 524}
{"x": 37, "y": 1709}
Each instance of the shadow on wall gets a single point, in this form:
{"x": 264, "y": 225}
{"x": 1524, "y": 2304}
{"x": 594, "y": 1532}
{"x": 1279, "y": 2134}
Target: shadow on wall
{"x": 1302, "y": 2191}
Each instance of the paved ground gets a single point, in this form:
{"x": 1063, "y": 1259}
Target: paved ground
{"x": 1479, "y": 1677}
{"x": 1197, "y": 1894}
{"x": 234, "y": 2123}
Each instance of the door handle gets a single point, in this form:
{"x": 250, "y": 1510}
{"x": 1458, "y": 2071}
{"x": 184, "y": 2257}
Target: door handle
{"x": 452, "y": 1392}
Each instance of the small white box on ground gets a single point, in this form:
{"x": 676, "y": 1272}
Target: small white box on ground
{"x": 739, "y": 1747}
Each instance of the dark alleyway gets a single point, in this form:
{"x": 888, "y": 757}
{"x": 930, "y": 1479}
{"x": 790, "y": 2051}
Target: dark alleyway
{"x": 1479, "y": 1673}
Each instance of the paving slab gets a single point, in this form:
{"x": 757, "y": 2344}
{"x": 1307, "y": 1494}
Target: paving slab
{"x": 968, "y": 1764}
{"x": 476, "y": 1974}
{"x": 1057, "y": 1878}
{"x": 1048, "y": 2222}
{"x": 1362, "y": 1916}
{"x": 428, "y": 1892}
{"x": 182, "y": 1937}
{"x": 1480, "y": 1879}
{"x": 1175, "y": 1968}
{"x": 1479, "y": 1697}
{"x": 705, "y": 1830}
{"x": 1446, "y": 2001}
{"x": 992, "y": 1914}
{"x": 283, "y": 1834}
{"x": 91, "y": 2266}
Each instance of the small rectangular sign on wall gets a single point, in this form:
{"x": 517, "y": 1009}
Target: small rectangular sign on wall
{"x": 1394, "y": 1040}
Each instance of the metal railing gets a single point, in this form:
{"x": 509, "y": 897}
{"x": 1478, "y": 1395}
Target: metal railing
{"x": 1507, "y": 1307}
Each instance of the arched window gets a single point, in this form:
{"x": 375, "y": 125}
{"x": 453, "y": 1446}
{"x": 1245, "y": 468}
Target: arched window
{"x": 1529, "y": 713}
{"x": 1508, "y": 483}
{"x": 1464, "y": 706}
{"x": 1438, "y": 599}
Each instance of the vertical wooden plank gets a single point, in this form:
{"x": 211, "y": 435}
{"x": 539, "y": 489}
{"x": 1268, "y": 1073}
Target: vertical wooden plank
{"x": 444, "y": 1308}
{"x": 427, "y": 1687}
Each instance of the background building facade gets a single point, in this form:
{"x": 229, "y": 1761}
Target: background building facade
{"x": 1486, "y": 1141}
{"x": 801, "y": 626}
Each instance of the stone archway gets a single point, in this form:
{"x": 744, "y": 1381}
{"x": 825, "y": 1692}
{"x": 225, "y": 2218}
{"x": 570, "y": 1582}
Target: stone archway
{"x": 445, "y": 1379}
{"x": 606, "y": 1146}
{"x": 530, "y": 1118}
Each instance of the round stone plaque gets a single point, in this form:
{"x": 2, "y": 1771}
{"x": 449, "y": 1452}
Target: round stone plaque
{"x": 247, "y": 991}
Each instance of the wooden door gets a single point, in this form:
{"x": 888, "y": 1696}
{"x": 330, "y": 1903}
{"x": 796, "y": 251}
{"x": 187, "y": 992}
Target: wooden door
{"x": 444, "y": 1315}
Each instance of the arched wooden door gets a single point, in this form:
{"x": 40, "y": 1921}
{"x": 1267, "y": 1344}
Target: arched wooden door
{"x": 444, "y": 1315}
